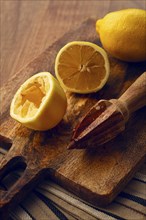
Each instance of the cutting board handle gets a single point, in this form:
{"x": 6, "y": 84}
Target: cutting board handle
{"x": 21, "y": 187}
{"x": 135, "y": 96}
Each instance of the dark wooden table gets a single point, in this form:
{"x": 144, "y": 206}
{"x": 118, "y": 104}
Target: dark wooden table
{"x": 29, "y": 26}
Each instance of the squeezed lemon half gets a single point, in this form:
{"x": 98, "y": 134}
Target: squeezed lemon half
{"x": 40, "y": 103}
{"x": 82, "y": 67}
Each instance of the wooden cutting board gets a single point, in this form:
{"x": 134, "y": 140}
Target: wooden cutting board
{"x": 94, "y": 175}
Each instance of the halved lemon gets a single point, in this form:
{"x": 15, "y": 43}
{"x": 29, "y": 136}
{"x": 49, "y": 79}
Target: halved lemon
{"x": 40, "y": 102}
{"x": 82, "y": 67}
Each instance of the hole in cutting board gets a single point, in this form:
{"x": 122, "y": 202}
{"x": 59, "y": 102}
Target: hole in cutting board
{"x": 5, "y": 144}
{"x": 13, "y": 173}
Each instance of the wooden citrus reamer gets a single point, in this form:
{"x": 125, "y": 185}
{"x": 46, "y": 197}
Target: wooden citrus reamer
{"x": 106, "y": 119}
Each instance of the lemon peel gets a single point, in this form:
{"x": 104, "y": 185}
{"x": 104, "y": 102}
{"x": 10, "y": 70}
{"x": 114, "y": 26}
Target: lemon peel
{"x": 123, "y": 34}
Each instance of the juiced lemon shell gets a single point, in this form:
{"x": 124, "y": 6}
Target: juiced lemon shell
{"x": 40, "y": 102}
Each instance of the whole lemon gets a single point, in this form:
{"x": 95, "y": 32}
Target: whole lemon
{"x": 123, "y": 34}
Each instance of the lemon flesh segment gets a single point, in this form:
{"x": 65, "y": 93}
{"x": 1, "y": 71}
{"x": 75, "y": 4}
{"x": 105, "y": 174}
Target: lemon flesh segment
{"x": 82, "y": 67}
{"x": 40, "y": 103}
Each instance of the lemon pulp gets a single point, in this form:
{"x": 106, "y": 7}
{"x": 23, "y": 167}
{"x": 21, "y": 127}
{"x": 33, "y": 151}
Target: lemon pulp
{"x": 82, "y": 67}
{"x": 31, "y": 97}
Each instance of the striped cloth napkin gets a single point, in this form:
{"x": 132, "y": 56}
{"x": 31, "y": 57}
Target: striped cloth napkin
{"x": 49, "y": 201}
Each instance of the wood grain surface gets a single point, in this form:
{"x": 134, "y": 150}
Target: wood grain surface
{"x": 28, "y": 26}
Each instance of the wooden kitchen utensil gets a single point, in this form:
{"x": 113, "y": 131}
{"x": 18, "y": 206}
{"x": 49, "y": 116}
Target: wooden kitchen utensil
{"x": 96, "y": 176}
{"x": 106, "y": 119}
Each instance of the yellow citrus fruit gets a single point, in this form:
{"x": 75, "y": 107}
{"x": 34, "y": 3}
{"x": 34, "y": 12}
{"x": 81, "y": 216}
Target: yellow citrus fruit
{"x": 123, "y": 34}
{"x": 82, "y": 67}
{"x": 40, "y": 102}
